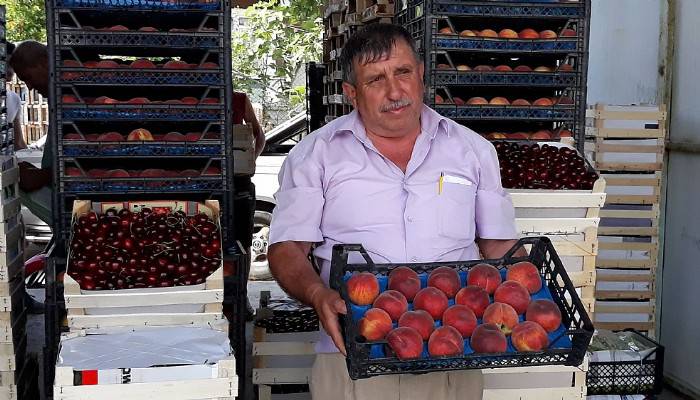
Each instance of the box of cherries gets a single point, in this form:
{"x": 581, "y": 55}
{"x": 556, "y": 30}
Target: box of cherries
{"x": 416, "y": 318}
{"x": 143, "y": 245}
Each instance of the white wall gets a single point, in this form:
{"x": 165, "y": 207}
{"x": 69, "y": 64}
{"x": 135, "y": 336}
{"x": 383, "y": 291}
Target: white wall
{"x": 623, "y": 51}
{"x": 680, "y": 315}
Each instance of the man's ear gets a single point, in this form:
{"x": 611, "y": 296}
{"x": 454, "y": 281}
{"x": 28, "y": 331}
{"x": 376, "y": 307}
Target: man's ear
{"x": 350, "y": 92}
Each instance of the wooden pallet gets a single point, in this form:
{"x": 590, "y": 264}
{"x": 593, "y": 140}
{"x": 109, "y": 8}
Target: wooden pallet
{"x": 552, "y": 382}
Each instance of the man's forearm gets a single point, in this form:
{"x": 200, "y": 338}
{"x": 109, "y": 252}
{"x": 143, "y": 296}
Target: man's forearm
{"x": 293, "y": 271}
{"x": 497, "y": 248}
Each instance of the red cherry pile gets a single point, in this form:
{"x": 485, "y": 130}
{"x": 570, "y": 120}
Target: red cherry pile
{"x": 121, "y": 249}
{"x": 542, "y": 167}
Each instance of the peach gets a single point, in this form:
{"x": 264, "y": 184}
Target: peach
{"x": 564, "y": 101}
{"x": 474, "y": 297}
{"x": 90, "y": 64}
{"x": 488, "y": 33}
{"x": 173, "y": 101}
{"x": 488, "y": 338}
{"x": 153, "y": 173}
{"x": 565, "y": 68}
{"x": 97, "y": 173}
{"x": 118, "y": 28}
{"x": 543, "y": 102}
{"x": 431, "y": 300}
{"x": 543, "y": 68}
{"x": 393, "y": 302}
{"x": 446, "y": 31}
{"x": 526, "y": 273}
{"x": 439, "y": 99}
{"x": 508, "y": 34}
{"x": 211, "y": 136}
{"x": 189, "y": 173}
{"x": 213, "y": 170}
{"x": 548, "y": 34}
{"x": 445, "y": 341}
{"x": 462, "y": 67}
{"x": 404, "y": 280}
{"x": 446, "y": 279}
{"x": 483, "y": 68}
{"x": 529, "y": 336}
{"x": 91, "y": 137}
{"x": 443, "y": 66}
{"x": 362, "y": 288}
{"x": 73, "y": 171}
{"x": 375, "y": 324}
{"x": 542, "y": 134}
{"x": 528, "y": 33}
{"x": 139, "y": 134}
{"x": 117, "y": 173}
{"x": 142, "y": 63}
{"x": 138, "y": 100}
{"x": 499, "y": 101}
{"x": 458, "y": 101}
{"x": 467, "y": 33}
{"x": 545, "y": 313}
{"x": 210, "y": 65}
{"x": 174, "y": 137}
{"x": 502, "y": 315}
{"x": 514, "y": 294}
{"x": 192, "y": 136}
{"x": 105, "y": 100}
{"x": 461, "y": 318}
{"x": 568, "y": 33}
{"x": 210, "y": 100}
{"x": 419, "y": 320}
{"x": 565, "y": 133}
{"x": 503, "y": 68}
{"x": 111, "y": 137}
{"x": 71, "y": 64}
{"x": 147, "y": 29}
{"x": 520, "y": 102}
{"x": 477, "y": 101}
{"x": 405, "y": 342}
{"x": 72, "y": 136}
{"x": 69, "y": 99}
{"x": 175, "y": 64}
{"x": 107, "y": 64}
{"x": 518, "y": 136}
{"x": 496, "y": 136}
{"x": 485, "y": 276}
{"x": 522, "y": 68}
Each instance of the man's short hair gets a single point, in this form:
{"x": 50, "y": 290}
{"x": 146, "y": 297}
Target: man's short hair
{"x": 29, "y": 54}
{"x": 370, "y": 44}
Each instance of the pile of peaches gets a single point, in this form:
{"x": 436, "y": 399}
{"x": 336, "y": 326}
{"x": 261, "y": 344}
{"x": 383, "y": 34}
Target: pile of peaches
{"x": 141, "y": 134}
{"x": 122, "y": 28}
{"x": 502, "y": 101}
{"x": 542, "y": 134}
{"x": 188, "y": 100}
{"x": 527, "y": 33}
{"x": 505, "y": 68}
{"x": 447, "y": 313}
{"x": 99, "y": 173}
{"x": 141, "y": 63}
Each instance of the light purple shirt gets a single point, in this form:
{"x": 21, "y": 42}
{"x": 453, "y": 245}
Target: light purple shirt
{"x": 335, "y": 187}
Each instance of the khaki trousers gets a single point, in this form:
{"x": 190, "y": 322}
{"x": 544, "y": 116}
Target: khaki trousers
{"x": 330, "y": 381}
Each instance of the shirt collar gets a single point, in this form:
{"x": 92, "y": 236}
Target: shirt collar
{"x": 431, "y": 123}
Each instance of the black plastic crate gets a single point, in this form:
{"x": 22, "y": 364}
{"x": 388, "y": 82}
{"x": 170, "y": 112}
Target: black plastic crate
{"x": 550, "y": 9}
{"x": 142, "y": 112}
{"x": 528, "y": 79}
{"x": 143, "y": 149}
{"x": 179, "y": 5}
{"x": 568, "y": 347}
{"x": 644, "y": 376}
{"x": 551, "y": 113}
{"x": 136, "y": 184}
{"x": 285, "y": 315}
{"x": 173, "y": 77}
{"x": 452, "y": 42}
{"x": 77, "y": 38}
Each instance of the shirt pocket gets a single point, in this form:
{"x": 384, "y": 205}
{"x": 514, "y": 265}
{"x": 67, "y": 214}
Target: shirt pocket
{"x": 456, "y": 214}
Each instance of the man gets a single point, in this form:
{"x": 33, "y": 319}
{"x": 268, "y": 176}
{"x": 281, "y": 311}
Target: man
{"x": 30, "y": 61}
{"x": 373, "y": 177}
{"x": 13, "y": 103}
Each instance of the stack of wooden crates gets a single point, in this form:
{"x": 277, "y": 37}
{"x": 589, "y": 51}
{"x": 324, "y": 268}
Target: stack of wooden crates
{"x": 626, "y": 144}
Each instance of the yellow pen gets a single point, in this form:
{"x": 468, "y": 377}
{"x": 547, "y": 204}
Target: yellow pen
{"x": 442, "y": 177}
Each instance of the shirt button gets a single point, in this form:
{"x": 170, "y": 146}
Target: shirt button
{"x": 409, "y": 219}
{"x": 414, "y": 259}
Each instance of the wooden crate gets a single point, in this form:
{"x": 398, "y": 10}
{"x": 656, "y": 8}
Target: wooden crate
{"x": 197, "y": 304}
{"x": 627, "y": 144}
{"x": 281, "y": 359}
{"x": 553, "y": 382}
{"x": 570, "y": 218}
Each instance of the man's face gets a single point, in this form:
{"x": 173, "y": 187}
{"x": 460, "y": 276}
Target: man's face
{"x": 388, "y": 93}
{"x": 36, "y": 78}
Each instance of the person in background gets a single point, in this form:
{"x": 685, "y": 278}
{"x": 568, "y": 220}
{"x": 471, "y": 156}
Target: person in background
{"x": 13, "y": 104}
{"x": 30, "y": 61}
{"x": 244, "y": 189}
{"x": 404, "y": 181}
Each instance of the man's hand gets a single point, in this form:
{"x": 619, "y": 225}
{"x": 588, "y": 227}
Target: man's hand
{"x": 328, "y": 304}
{"x": 32, "y": 178}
